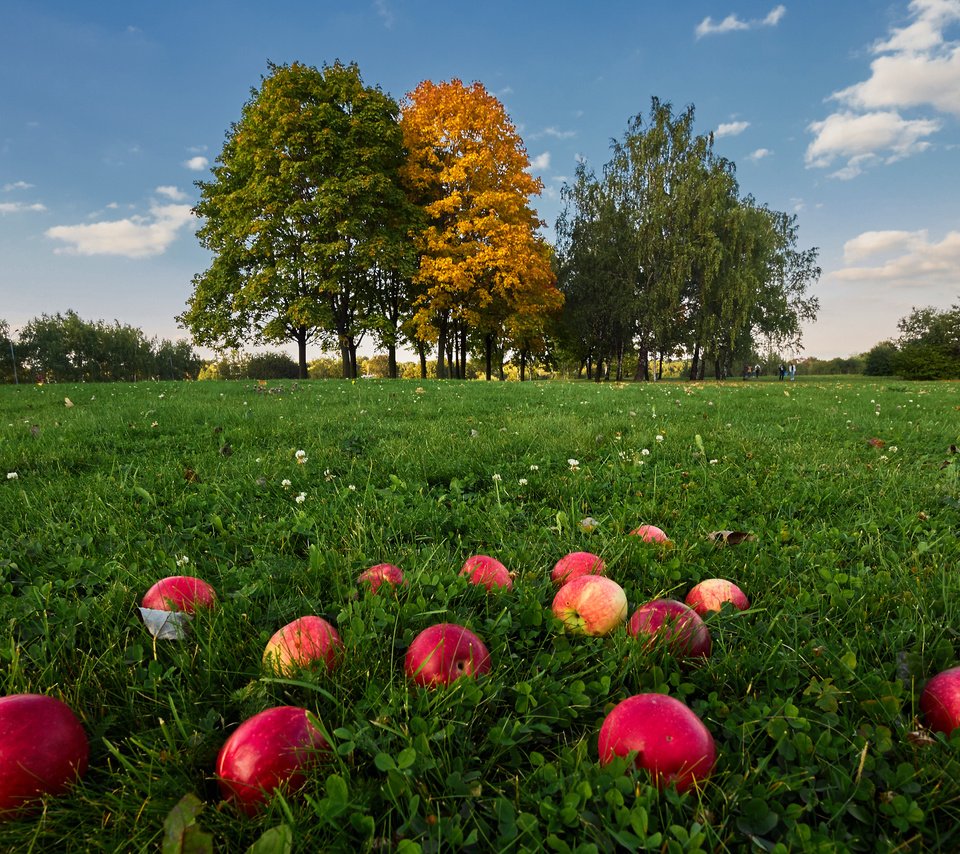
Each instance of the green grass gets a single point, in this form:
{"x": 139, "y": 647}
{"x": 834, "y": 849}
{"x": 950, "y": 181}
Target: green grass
{"x": 811, "y": 695}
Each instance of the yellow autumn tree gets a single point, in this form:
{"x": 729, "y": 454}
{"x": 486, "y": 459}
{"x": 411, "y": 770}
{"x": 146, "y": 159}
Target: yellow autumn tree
{"x": 481, "y": 259}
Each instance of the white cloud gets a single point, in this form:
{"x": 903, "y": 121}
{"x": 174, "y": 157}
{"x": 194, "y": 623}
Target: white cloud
{"x": 556, "y": 133}
{"x": 385, "y": 12}
{"x": 731, "y": 24}
{"x": 17, "y": 185}
{"x": 20, "y": 207}
{"x": 759, "y": 154}
{"x": 197, "y": 164}
{"x": 173, "y": 193}
{"x": 866, "y": 139}
{"x": 132, "y": 237}
{"x": 904, "y": 258}
{"x": 541, "y": 162}
{"x": 730, "y": 129}
{"x": 915, "y": 66}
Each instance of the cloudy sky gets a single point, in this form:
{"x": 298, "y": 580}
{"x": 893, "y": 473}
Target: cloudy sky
{"x": 844, "y": 112}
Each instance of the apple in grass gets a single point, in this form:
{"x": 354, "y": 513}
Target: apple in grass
{"x": 651, "y": 534}
{"x": 668, "y": 738}
{"x": 302, "y": 643}
{"x": 487, "y": 571}
{"x": 676, "y": 624}
{"x": 272, "y": 750}
{"x": 180, "y": 593}
{"x": 575, "y": 564}
{"x": 444, "y": 652}
{"x": 940, "y": 701}
{"x": 382, "y": 573}
{"x": 43, "y": 749}
{"x": 710, "y": 594}
{"x": 591, "y": 605}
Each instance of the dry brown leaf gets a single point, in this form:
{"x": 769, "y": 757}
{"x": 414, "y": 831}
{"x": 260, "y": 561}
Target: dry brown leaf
{"x": 733, "y": 538}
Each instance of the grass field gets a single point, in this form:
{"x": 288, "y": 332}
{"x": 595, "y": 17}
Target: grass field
{"x": 811, "y": 695}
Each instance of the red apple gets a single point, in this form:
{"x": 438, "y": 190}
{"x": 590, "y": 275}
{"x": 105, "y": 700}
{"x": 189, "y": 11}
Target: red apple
{"x": 305, "y": 641}
{"x": 443, "y": 653}
{"x": 380, "y": 574}
{"x": 591, "y": 605}
{"x": 487, "y": 571}
{"x": 670, "y": 741}
{"x": 940, "y": 701}
{"x": 651, "y": 534}
{"x": 676, "y": 624}
{"x": 574, "y": 565}
{"x": 271, "y": 750}
{"x": 180, "y": 593}
{"x": 43, "y": 749}
{"x": 709, "y": 595}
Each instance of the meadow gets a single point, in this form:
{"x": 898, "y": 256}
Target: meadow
{"x": 851, "y": 490}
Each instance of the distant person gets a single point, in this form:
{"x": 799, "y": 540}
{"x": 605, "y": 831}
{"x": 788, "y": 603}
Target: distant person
{"x": 756, "y": 372}
{"x": 746, "y": 372}
{"x": 793, "y": 371}
{"x": 783, "y": 370}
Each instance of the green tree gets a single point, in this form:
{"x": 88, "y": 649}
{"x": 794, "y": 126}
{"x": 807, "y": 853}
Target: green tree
{"x": 929, "y": 344}
{"x": 305, "y": 203}
{"x": 879, "y": 359}
{"x": 9, "y": 361}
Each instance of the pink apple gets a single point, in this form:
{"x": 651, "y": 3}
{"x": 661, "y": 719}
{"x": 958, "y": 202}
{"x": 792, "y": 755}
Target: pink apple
{"x": 940, "y": 701}
{"x": 443, "y": 653}
{"x": 591, "y": 605}
{"x": 673, "y": 622}
{"x": 180, "y": 593}
{"x": 380, "y": 574}
{"x": 669, "y": 740}
{"x": 709, "y": 595}
{"x": 43, "y": 749}
{"x": 302, "y": 643}
{"x": 574, "y": 565}
{"x": 487, "y": 571}
{"x": 651, "y": 534}
{"x": 269, "y": 751}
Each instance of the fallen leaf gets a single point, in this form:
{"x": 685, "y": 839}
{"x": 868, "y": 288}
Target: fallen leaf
{"x": 191, "y": 476}
{"x": 67, "y": 402}
{"x": 733, "y": 538}
{"x": 227, "y": 449}
{"x": 876, "y": 443}
{"x": 920, "y": 738}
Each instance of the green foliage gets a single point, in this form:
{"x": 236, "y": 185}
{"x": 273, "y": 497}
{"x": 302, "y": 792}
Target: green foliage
{"x": 272, "y": 366}
{"x": 879, "y": 360}
{"x": 811, "y": 695}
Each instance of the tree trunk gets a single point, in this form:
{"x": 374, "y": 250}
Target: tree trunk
{"x": 620, "y": 362}
{"x": 353, "y": 360}
{"x": 392, "y": 361}
{"x": 695, "y": 362}
{"x": 523, "y": 365}
{"x": 643, "y": 365}
{"x": 589, "y": 368}
{"x": 463, "y": 353}
{"x": 422, "y": 352}
{"x": 441, "y": 348}
{"x": 488, "y": 354}
{"x": 660, "y": 367}
{"x": 302, "y": 352}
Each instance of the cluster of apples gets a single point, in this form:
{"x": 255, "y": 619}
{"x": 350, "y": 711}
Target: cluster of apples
{"x": 44, "y": 748}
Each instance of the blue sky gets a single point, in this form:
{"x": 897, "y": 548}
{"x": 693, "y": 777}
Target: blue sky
{"x": 842, "y": 111}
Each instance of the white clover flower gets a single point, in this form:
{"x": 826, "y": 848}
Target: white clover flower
{"x": 301, "y": 498}
{"x": 534, "y": 468}
{"x": 12, "y": 475}
{"x": 714, "y": 462}
{"x": 497, "y": 478}
{"x": 153, "y": 424}
{"x": 645, "y": 452}
{"x": 658, "y": 437}
{"x": 301, "y": 456}
{"x": 893, "y": 449}
{"x": 573, "y": 463}
{"x": 162, "y": 396}
{"x": 523, "y": 481}
{"x": 285, "y": 483}
{"x": 183, "y": 560}
{"x": 328, "y": 475}
{"x": 351, "y": 487}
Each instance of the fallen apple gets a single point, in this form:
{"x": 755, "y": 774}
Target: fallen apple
{"x": 304, "y": 642}
{"x": 180, "y": 593}
{"x": 443, "y": 653}
{"x": 940, "y": 701}
{"x": 382, "y": 573}
{"x": 487, "y": 571}
{"x": 43, "y": 749}
{"x": 669, "y": 740}
{"x": 679, "y": 626}
{"x": 574, "y": 565}
{"x": 710, "y": 594}
{"x": 591, "y": 605}
{"x": 270, "y": 751}
{"x": 651, "y": 534}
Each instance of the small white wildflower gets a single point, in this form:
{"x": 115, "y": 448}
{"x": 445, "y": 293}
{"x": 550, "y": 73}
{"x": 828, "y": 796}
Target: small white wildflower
{"x": 301, "y": 457}
{"x": 259, "y": 459}
{"x": 883, "y": 457}
{"x": 154, "y": 424}
{"x": 523, "y": 481}
{"x": 497, "y": 478}
{"x": 534, "y": 468}
{"x": 893, "y": 449}
{"x": 588, "y": 524}
{"x": 658, "y": 437}
{"x": 328, "y": 475}
{"x": 285, "y": 483}
{"x": 12, "y": 475}
{"x": 351, "y": 487}
{"x": 183, "y": 560}
{"x": 714, "y": 462}
{"x": 474, "y": 434}
{"x": 162, "y": 396}
{"x": 645, "y": 452}
{"x": 301, "y": 498}
{"x": 574, "y": 464}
